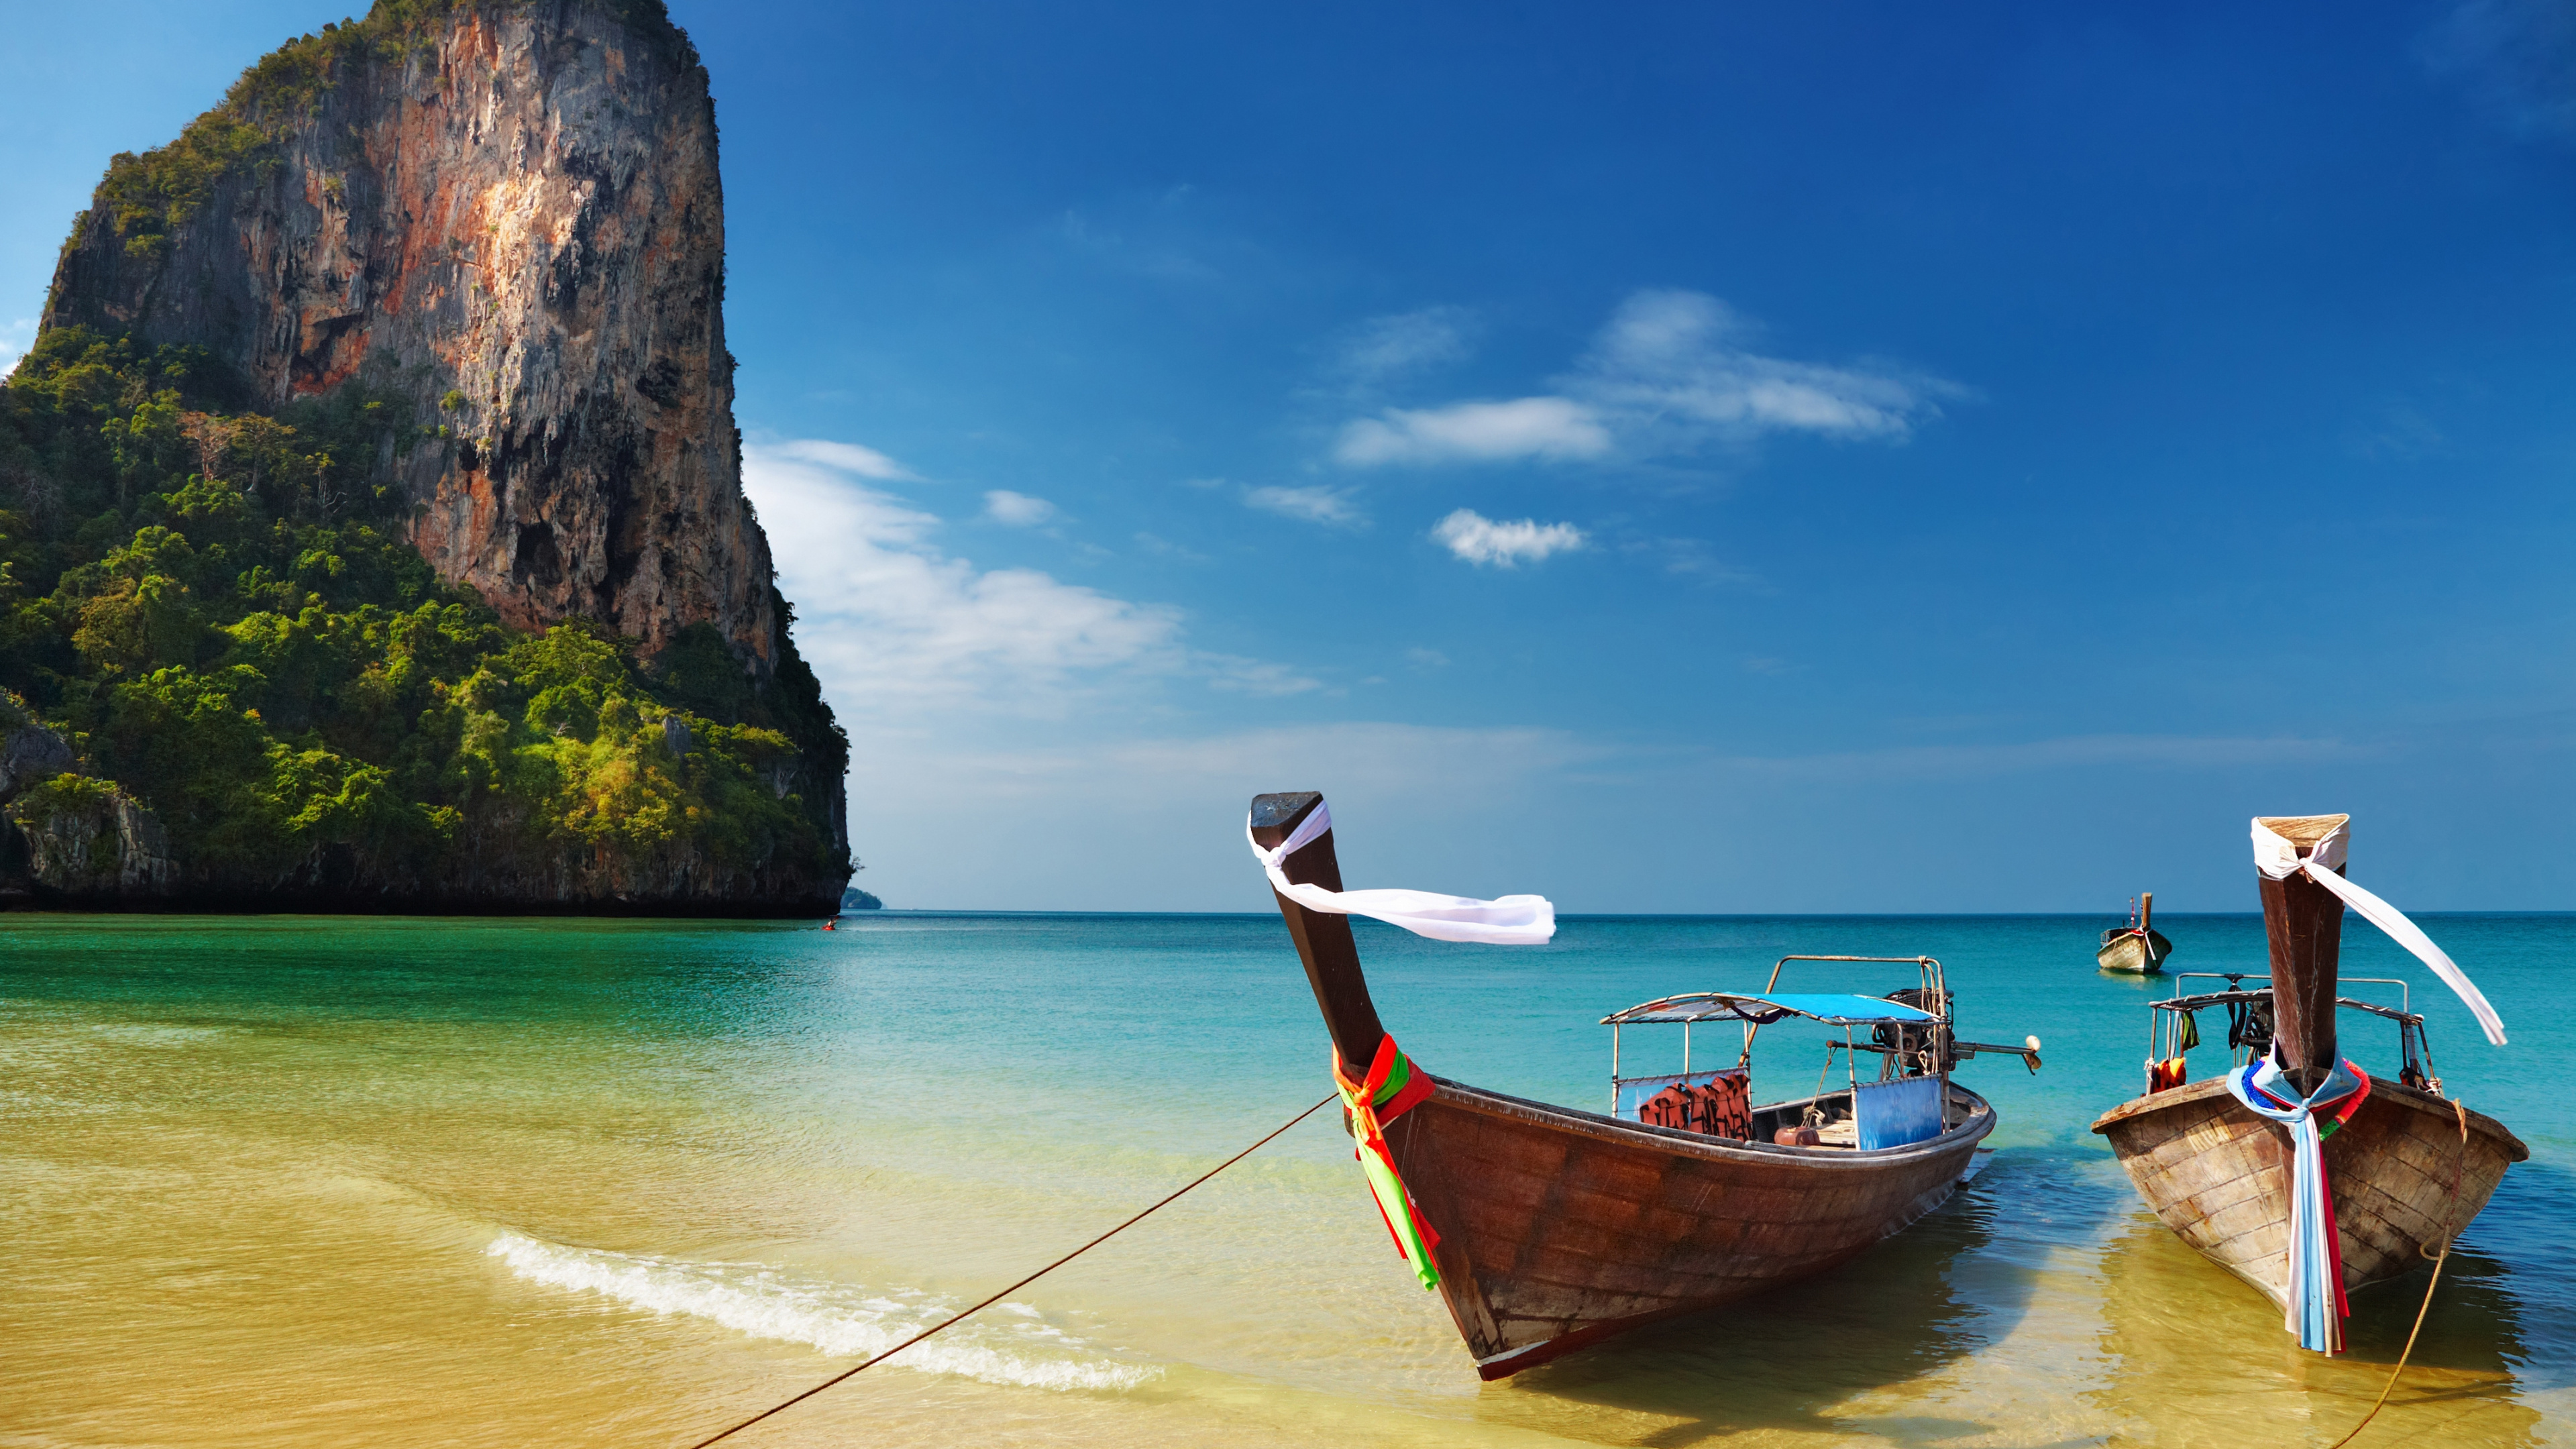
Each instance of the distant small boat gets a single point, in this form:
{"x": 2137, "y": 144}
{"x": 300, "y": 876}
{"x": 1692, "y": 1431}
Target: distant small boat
{"x": 1547, "y": 1228}
{"x": 2135, "y": 949}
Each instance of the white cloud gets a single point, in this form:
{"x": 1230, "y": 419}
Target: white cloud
{"x": 1672, "y": 372}
{"x": 1480, "y": 540}
{"x": 887, "y": 618}
{"x": 1676, "y": 359}
{"x": 15, "y": 339}
{"x": 1529, "y": 427}
{"x": 847, "y": 457}
{"x": 1330, "y": 506}
{"x": 1018, "y": 510}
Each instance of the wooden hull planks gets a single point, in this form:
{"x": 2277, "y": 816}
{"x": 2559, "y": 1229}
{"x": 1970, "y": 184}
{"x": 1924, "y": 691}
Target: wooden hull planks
{"x": 2219, "y": 1177}
{"x": 1559, "y": 1228}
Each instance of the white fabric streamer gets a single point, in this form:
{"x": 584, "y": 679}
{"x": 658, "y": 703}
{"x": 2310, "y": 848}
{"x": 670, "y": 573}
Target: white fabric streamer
{"x": 2279, "y": 859}
{"x": 1510, "y": 921}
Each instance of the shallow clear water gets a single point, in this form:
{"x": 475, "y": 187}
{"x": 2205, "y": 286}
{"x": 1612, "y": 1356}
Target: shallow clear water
{"x": 308, "y": 1181}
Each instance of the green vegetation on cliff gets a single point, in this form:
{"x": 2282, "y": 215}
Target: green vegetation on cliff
{"x": 216, "y": 609}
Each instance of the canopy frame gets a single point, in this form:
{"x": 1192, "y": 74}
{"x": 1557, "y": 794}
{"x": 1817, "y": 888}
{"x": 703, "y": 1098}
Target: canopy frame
{"x": 1732, "y": 1006}
{"x": 2165, "y": 1017}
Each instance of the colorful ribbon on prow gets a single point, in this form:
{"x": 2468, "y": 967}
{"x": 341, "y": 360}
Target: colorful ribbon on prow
{"x": 1391, "y": 1089}
{"x": 2316, "y": 1306}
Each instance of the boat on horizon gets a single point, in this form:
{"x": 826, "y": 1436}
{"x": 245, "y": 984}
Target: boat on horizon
{"x": 2296, "y": 1169}
{"x": 1548, "y": 1228}
{"x": 2137, "y": 949}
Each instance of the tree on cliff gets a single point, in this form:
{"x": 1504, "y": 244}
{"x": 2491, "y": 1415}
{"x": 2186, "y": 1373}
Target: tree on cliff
{"x": 347, "y": 577}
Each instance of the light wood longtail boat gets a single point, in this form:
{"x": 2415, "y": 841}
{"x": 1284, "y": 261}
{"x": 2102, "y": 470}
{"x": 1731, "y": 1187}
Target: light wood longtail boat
{"x": 1556, "y": 1227}
{"x": 2406, "y": 1171}
{"x": 2137, "y": 949}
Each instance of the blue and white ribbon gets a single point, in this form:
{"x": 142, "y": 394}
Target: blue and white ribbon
{"x": 2314, "y": 1309}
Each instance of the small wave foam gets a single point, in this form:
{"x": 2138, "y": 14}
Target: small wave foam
{"x": 839, "y": 1319}
{"x": 141, "y": 1034}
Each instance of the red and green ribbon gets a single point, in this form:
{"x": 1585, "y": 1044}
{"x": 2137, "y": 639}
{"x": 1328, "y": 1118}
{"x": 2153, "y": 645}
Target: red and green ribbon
{"x": 1391, "y": 1089}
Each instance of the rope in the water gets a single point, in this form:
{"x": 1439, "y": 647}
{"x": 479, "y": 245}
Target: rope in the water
{"x": 2457, "y": 1166}
{"x": 1016, "y": 1287}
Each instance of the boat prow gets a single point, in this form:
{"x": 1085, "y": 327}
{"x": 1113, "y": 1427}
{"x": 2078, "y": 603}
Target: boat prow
{"x": 2133, "y": 953}
{"x": 2219, "y": 1176}
{"x": 2137, "y": 949}
{"x": 1561, "y": 1227}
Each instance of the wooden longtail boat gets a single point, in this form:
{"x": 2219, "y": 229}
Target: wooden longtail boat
{"x": 2405, "y": 1170}
{"x": 1556, "y": 1227}
{"x": 2136, "y": 949}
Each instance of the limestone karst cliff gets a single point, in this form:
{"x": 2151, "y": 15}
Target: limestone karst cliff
{"x": 511, "y": 214}
{"x": 371, "y": 523}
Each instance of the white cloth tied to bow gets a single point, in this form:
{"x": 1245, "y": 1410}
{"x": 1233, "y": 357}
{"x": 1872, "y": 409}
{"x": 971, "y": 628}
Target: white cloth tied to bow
{"x": 2279, "y": 859}
{"x": 1510, "y": 921}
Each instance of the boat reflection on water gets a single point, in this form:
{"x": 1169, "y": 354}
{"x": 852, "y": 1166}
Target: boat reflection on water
{"x": 1784, "y": 1362}
{"x": 2190, "y": 1358}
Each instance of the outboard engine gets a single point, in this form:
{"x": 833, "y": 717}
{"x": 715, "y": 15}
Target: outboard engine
{"x": 1912, "y": 1042}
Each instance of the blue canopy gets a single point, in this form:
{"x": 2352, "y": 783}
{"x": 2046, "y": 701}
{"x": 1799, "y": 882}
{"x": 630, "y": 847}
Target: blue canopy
{"x": 1833, "y": 1009}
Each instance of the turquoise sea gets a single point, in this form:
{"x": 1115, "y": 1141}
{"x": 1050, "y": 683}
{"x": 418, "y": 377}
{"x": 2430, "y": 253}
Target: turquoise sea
{"x": 321, "y": 1181}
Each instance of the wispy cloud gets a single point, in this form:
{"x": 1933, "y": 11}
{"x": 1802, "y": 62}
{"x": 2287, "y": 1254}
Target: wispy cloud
{"x": 1162, "y": 259}
{"x": 1679, "y": 360}
{"x": 1384, "y": 348}
{"x": 1672, "y": 372}
{"x": 1326, "y": 505}
{"x": 2517, "y": 58}
{"x": 1481, "y": 540}
{"x": 846, "y": 457}
{"x": 1529, "y": 427}
{"x": 903, "y": 633}
{"x": 1174, "y": 236}
{"x": 1018, "y": 510}
{"x": 889, "y": 618}
{"x": 1693, "y": 559}
{"x": 2399, "y": 432}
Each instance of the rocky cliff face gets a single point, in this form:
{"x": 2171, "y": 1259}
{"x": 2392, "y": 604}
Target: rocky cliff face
{"x": 509, "y": 213}
{"x": 505, "y": 218}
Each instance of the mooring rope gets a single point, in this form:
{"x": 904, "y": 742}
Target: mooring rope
{"x": 2458, "y": 1165}
{"x": 1016, "y": 1287}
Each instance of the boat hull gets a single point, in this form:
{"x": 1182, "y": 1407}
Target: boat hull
{"x": 2133, "y": 954}
{"x": 1559, "y": 1228}
{"x": 2219, "y": 1176}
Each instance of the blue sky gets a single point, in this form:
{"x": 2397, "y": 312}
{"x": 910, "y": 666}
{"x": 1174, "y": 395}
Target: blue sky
{"x": 1667, "y": 457}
